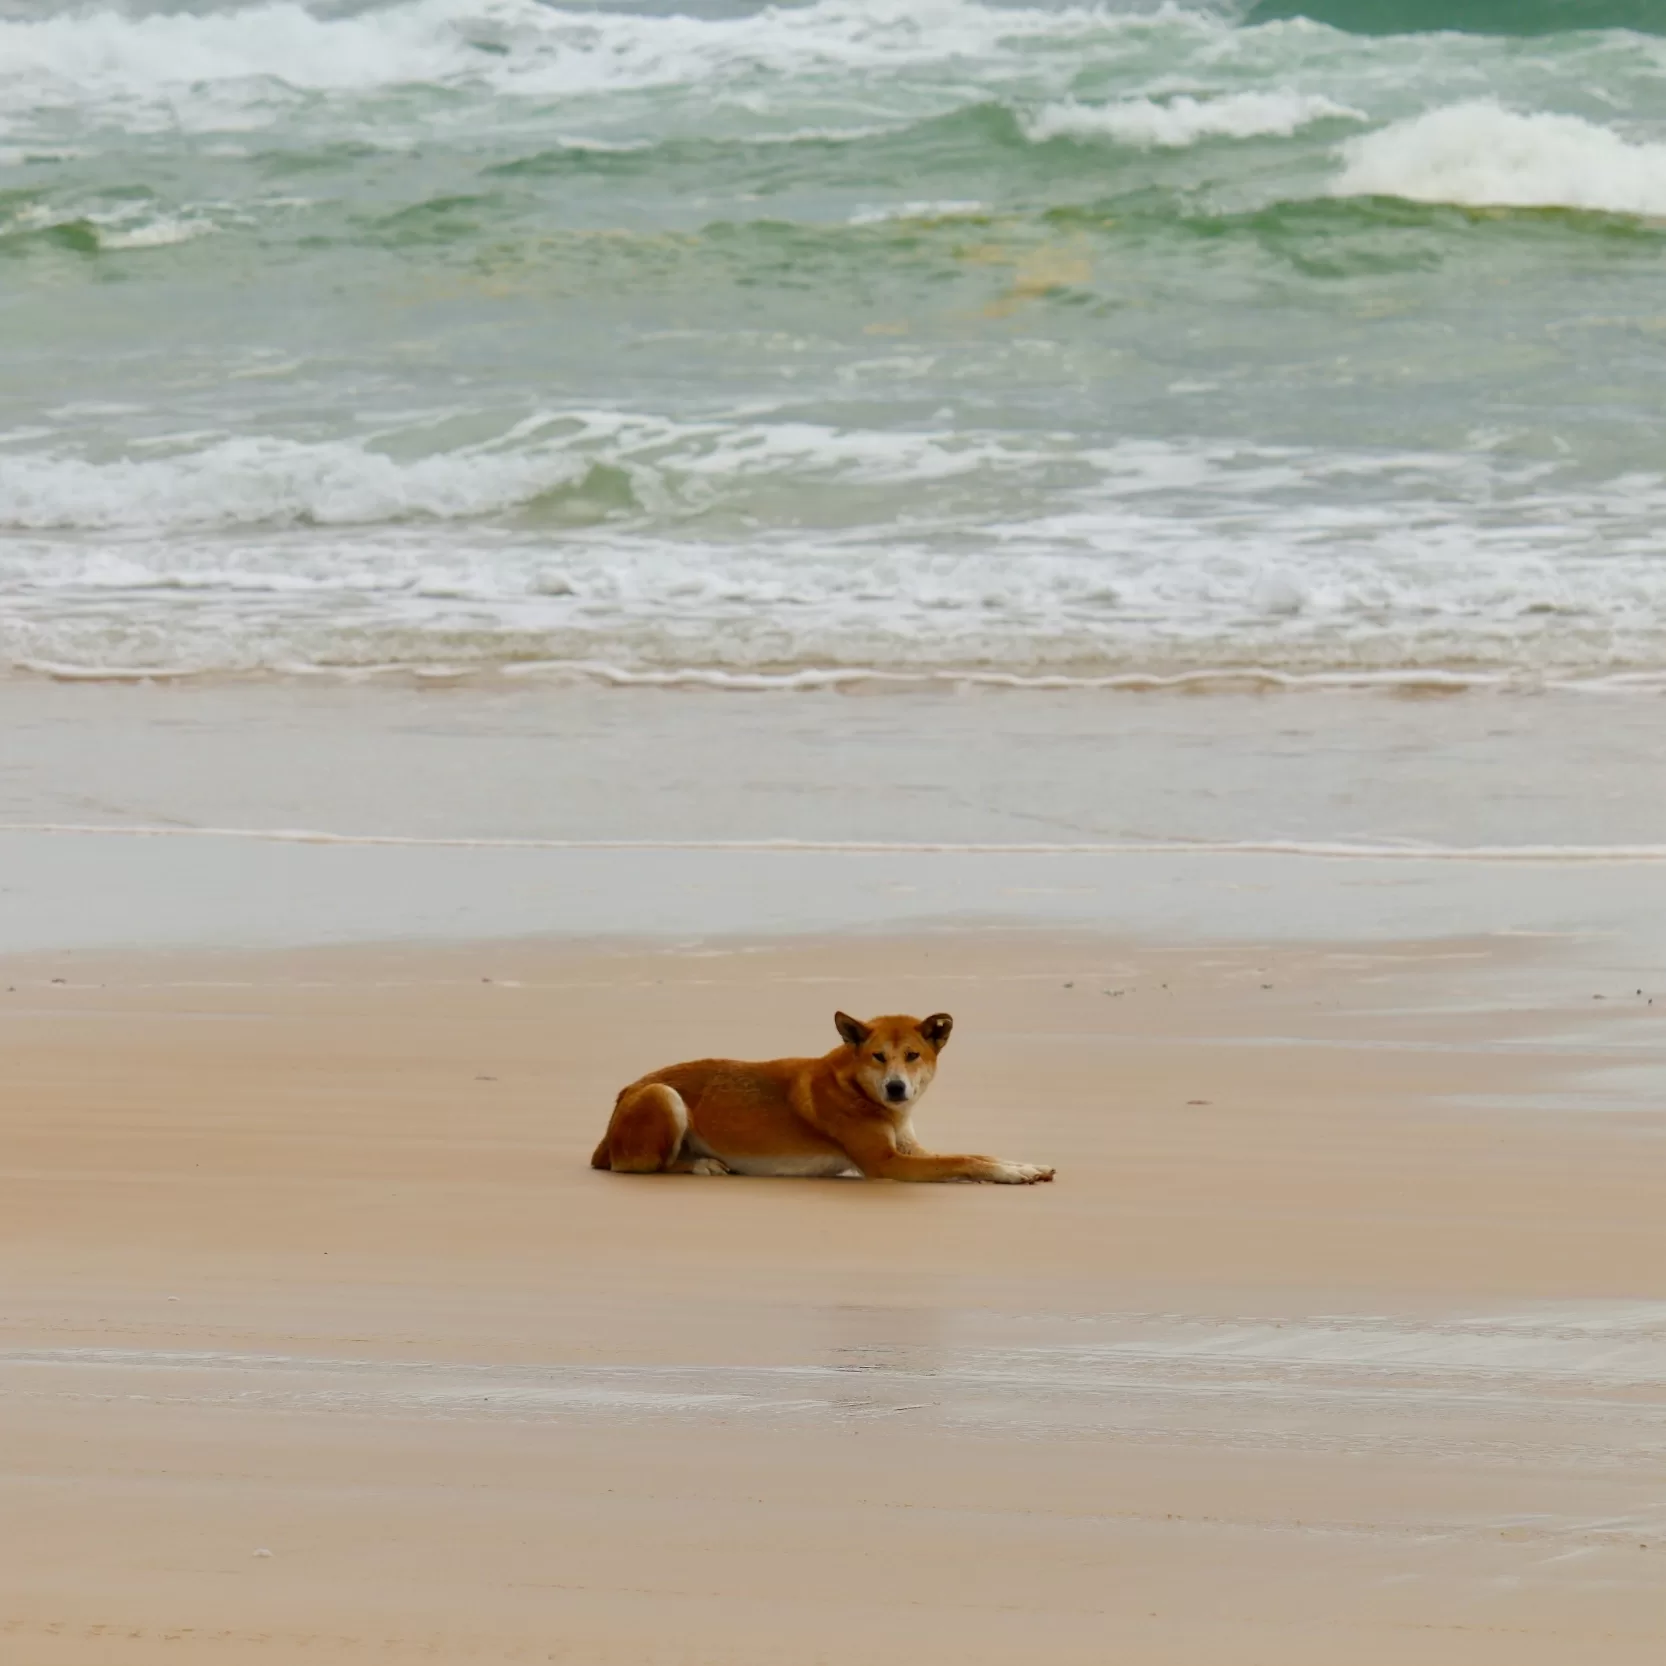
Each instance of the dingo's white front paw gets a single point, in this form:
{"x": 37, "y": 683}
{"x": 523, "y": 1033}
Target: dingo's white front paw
{"x": 1024, "y": 1174}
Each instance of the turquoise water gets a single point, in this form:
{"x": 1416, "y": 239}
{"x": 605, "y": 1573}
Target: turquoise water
{"x": 907, "y": 336}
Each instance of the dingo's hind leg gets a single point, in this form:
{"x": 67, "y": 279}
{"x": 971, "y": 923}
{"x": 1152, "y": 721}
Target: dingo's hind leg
{"x": 646, "y": 1135}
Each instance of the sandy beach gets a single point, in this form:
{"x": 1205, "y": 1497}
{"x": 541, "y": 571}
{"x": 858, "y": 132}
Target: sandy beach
{"x": 542, "y": 539}
{"x": 1342, "y": 1335}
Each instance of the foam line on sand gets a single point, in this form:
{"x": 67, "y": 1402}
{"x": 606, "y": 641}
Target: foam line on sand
{"x": 812, "y": 679}
{"x": 1329, "y": 850}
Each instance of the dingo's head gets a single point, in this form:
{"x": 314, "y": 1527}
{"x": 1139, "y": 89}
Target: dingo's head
{"x": 895, "y": 1058}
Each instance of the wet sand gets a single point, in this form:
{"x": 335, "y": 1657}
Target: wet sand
{"x": 269, "y": 815}
{"x": 1341, "y": 1337}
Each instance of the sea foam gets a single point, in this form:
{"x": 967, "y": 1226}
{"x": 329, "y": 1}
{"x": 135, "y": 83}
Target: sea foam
{"x": 178, "y": 60}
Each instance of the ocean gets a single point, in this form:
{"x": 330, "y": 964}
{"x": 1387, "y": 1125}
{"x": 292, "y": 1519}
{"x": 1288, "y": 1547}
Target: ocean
{"x": 859, "y": 338}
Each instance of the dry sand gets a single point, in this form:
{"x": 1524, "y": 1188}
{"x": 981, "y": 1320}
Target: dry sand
{"x": 1341, "y": 1338}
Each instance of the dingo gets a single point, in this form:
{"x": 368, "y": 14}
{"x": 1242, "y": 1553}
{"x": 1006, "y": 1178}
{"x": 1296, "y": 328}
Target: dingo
{"x": 848, "y": 1110}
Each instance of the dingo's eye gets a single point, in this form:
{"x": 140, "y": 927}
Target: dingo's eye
{"x": 911, "y": 1057}
{"x": 879, "y": 1058}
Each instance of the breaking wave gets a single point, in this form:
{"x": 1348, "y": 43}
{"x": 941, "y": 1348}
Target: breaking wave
{"x": 1176, "y": 122}
{"x": 1484, "y": 155}
{"x": 624, "y": 461}
{"x": 254, "y": 481}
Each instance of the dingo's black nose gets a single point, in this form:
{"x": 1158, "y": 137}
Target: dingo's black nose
{"x": 896, "y": 1090}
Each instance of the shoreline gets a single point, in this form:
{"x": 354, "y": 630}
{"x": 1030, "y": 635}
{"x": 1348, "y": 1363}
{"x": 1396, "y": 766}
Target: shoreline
{"x": 1410, "y": 681}
{"x": 1549, "y": 855}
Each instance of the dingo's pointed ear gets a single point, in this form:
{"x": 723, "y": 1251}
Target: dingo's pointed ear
{"x": 852, "y": 1029}
{"x": 936, "y": 1029}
